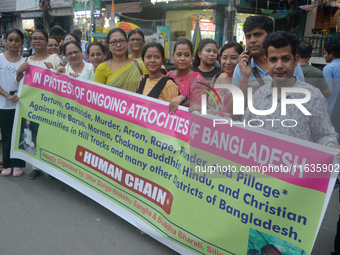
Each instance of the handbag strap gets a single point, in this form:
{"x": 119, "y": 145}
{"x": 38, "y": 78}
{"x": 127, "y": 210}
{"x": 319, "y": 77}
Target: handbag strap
{"x": 140, "y": 71}
{"x": 258, "y": 76}
{"x": 157, "y": 89}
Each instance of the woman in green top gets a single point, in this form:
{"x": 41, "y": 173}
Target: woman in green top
{"x": 119, "y": 71}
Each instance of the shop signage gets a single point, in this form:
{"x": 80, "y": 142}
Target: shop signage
{"x": 61, "y": 3}
{"x": 125, "y": 7}
{"x": 7, "y": 5}
{"x": 31, "y": 14}
{"x": 205, "y": 24}
{"x": 62, "y": 12}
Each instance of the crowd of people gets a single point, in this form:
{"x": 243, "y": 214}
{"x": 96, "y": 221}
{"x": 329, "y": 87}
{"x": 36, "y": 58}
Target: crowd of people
{"x": 270, "y": 60}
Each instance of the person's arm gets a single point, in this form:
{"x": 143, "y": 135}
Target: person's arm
{"x": 99, "y": 75}
{"x": 298, "y": 72}
{"x": 241, "y": 79}
{"x": 170, "y": 91}
{"x": 175, "y": 102}
{"x": 12, "y": 98}
{"x": 323, "y": 86}
{"x": 327, "y": 73}
{"x": 20, "y": 73}
{"x": 335, "y": 117}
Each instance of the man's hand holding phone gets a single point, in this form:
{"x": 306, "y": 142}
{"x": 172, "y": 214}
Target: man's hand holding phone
{"x": 245, "y": 64}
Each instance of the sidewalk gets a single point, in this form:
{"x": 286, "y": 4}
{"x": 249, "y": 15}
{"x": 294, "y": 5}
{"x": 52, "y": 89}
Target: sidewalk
{"x": 47, "y": 217}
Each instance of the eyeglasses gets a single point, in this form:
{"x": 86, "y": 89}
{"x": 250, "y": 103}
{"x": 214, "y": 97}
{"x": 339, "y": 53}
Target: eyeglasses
{"x": 69, "y": 54}
{"x": 38, "y": 39}
{"x": 138, "y": 40}
{"x": 115, "y": 42}
{"x": 98, "y": 54}
{"x": 52, "y": 45}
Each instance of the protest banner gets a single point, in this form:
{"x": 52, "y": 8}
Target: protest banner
{"x": 158, "y": 171}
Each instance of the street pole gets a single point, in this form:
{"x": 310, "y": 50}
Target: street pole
{"x": 112, "y": 23}
{"x": 91, "y": 13}
{"x": 231, "y": 20}
{"x": 85, "y": 19}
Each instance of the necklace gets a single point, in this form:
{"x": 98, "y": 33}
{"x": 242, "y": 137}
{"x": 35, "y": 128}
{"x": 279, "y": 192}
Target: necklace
{"x": 11, "y": 58}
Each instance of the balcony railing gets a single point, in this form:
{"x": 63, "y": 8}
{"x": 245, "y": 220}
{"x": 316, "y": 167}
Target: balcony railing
{"x": 318, "y": 43}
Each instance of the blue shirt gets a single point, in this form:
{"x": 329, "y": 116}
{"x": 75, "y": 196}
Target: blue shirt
{"x": 332, "y": 76}
{"x": 264, "y": 75}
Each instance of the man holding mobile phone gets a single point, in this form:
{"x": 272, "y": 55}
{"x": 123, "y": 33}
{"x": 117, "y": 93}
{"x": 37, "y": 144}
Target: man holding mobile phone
{"x": 252, "y": 68}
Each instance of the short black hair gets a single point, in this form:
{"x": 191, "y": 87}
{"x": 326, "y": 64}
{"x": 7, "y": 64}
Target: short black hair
{"x": 184, "y": 41}
{"x": 235, "y": 45}
{"x": 41, "y": 31}
{"x": 138, "y": 31}
{"x": 281, "y": 39}
{"x": 114, "y": 30}
{"x": 201, "y": 45}
{"x": 71, "y": 42}
{"x": 153, "y": 44}
{"x": 17, "y": 31}
{"x": 263, "y": 22}
{"x": 76, "y": 37}
{"x": 101, "y": 46}
{"x": 304, "y": 49}
{"x": 57, "y": 30}
{"x": 78, "y": 33}
{"x": 51, "y": 37}
{"x": 333, "y": 47}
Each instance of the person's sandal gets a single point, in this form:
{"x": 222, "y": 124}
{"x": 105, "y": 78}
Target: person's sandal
{"x": 6, "y": 172}
{"x": 17, "y": 171}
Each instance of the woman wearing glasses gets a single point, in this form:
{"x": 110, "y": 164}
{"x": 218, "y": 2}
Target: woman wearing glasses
{"x": 41, "y": 56}
{"x": 136, "y": 43}
{"x": 76, "y": 66}
{"x": 119, "y": 71}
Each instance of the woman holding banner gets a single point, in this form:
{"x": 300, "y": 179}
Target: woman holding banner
{"x": 119, "y": 71}
{"x": 9, "y": 64}
{"x": 41, "y": 58}
{"x": 76, "y": 67}
{"x": 185, "y": 78}
{"x": 156, "y": 84}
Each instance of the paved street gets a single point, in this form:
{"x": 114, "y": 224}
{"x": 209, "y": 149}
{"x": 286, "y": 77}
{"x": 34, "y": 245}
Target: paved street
{"x": 48, "y": 217}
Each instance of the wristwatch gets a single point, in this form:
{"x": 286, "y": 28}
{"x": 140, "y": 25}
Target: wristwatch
{"x": 185, "y": 99}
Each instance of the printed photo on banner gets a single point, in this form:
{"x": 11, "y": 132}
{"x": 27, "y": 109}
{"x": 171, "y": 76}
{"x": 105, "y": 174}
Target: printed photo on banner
{"x": 28, "y": 136}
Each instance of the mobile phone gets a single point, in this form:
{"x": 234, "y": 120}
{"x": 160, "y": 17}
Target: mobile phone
{"x": 245, "y": 63}
{"x": 13, "y": 92}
